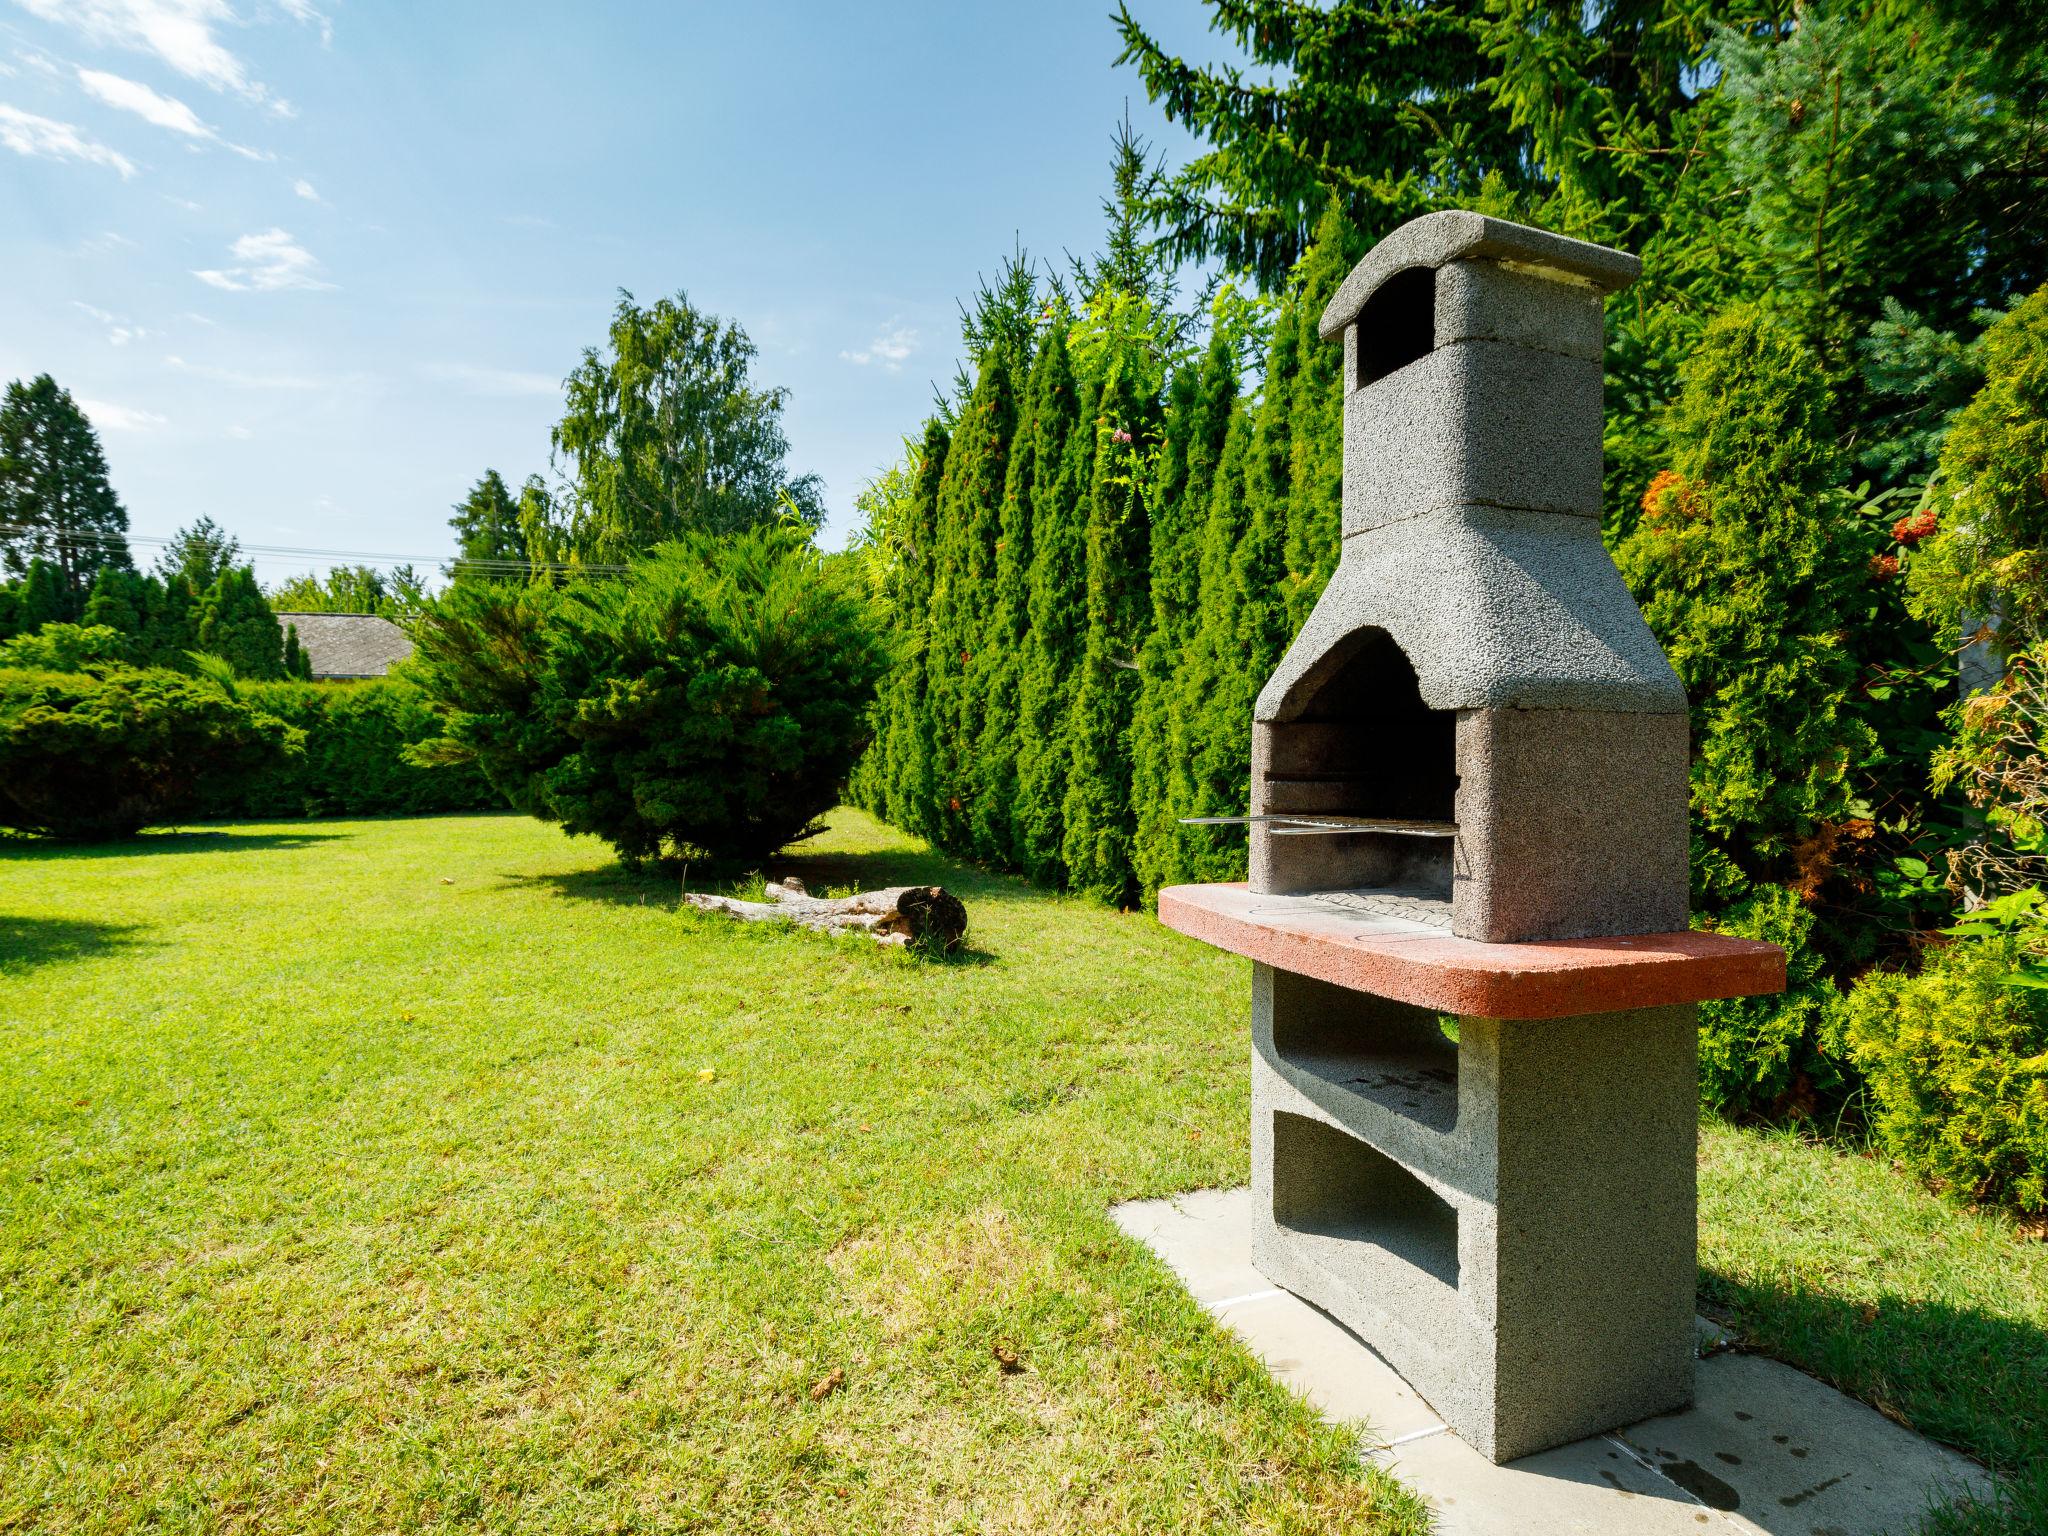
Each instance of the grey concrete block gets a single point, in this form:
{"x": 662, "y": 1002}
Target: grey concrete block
{"x": 1492, "y": 609}
{"x": 1530, "y": 1268}
{"x": 1455, "y": 235}
{"x": 1474, "y": 422}
{"x": 1497, "y": 301}
{"x": 1571, "y": 824}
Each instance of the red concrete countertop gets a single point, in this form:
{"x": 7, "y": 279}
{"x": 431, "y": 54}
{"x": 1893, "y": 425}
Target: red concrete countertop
{"x": 1415, "y": 963}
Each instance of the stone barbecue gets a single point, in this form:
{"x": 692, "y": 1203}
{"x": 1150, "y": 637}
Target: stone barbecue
{"x": 1474, "y": 1052}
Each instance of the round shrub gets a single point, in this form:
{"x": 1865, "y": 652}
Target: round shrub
{"x": 88, "y": 756}
{"x": 710, "y": 703}
{"x": 1957, "y": 1064}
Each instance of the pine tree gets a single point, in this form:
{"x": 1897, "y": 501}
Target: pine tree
{"x": 1197, "y": 422}
{"x": 199, "y": 554}
{"x": 486, "y": 524}
{"x": 297, "y": 664}
{"x": 55, "y": 500}
{"x": 42, "y": 598}
{"x": 1052, "y": 649}
{"x": 121, "y": 600}
{"x": 236, "y": 624}
{"x": 171, "y": 627}
{"x": 1044, "y": 423}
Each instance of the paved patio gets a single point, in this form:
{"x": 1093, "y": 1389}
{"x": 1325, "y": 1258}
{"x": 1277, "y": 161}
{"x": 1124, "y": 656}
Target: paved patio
{"x": 1765, "y": 1449}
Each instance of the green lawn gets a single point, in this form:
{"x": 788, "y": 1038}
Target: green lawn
{"x": 419, "y": 1174}
{"x": 416, "y": 1174}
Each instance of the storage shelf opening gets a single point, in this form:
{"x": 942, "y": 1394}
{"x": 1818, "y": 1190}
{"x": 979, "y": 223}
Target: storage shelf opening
{"x": 1338, "y": 1195}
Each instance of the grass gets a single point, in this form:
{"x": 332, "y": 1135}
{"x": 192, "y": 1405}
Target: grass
{"x": 433, "y": 1174}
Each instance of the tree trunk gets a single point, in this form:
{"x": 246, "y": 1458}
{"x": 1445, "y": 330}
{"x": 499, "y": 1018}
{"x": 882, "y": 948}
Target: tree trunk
{"x": 926, "y": 915}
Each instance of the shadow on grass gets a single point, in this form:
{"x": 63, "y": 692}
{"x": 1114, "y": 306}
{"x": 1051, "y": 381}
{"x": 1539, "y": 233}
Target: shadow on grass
{"x": 1971, "y": 1379}
{"x": 27, "y": 943}
{"x": 27, "y": 848}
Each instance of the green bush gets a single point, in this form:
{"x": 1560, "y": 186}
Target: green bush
{"x": 64, "y": 648}
{"x": 1957, "y": 1064}
{"x": 354, "y": 764}
{"x": 89, "y": 756}
{"x": 1767, "y": 1053}
{"x": 711, "y": 703}
{"x": 1989, "y": 549}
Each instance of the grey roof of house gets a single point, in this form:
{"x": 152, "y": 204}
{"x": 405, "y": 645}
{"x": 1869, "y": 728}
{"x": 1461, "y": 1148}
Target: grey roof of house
{"x": 349, "y": 644}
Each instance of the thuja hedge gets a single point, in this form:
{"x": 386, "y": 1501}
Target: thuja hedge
{"x": 1087, "y": 583}
{"x": 90, "y": 756}
{"x": 354, "y": 763}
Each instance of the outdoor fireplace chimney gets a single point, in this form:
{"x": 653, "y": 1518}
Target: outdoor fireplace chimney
{"x": 1476, "y": 667}
{"x": 1474, "y": 1080}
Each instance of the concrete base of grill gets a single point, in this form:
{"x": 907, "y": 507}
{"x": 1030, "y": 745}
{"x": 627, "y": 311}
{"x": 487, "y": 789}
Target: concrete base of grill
{"x": 1508, "y": 1218}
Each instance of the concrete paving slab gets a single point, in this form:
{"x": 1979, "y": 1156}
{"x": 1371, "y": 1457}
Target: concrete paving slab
{"x": 1327, "y": 1364}
{"x": 1765, "y": 1451}
{"x": 1592, "y": 1488}
{"x": 1797, "y": 1457}
{"x": 1205, "y": 1237}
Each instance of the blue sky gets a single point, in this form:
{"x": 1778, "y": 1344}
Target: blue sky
{"x": 315, "y": 264}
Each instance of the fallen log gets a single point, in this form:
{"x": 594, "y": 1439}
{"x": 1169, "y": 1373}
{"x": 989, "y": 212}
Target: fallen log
{"x": 926, "y": 915}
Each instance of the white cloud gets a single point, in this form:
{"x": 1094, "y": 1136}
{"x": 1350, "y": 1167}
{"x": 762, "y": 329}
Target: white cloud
{"x": 103, "y": 244}
{"x": 889, "y": 349}
{"x": 269, "y": 262}
{"x": 304, "y": 11}
{"x": 241, "y": 380}
{"x": 43, "y": 138}
{"x": 164, "y": 111}
{"x": 493, "y": 381}
{"x": 109, "y": 417}
{"x": 240, "y": 434}
{"x": 120, "y": 330}
{"x": 181, "y": 33}
{"x": 133, "y": 96}
{"x": 304, "y": 188}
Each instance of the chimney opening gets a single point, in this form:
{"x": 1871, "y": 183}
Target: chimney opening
{"x": 1397, "y": 325}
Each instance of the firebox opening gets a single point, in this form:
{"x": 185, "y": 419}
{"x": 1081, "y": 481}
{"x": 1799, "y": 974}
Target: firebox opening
{"x": 1362, "y": 743}
{"x": 1397, "y": 325}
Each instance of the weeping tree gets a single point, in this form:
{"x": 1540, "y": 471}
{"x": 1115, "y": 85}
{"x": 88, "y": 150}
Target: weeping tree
{"x": 665, "y": 433}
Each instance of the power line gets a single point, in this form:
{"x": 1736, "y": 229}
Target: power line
{"x": 302, "y": 552}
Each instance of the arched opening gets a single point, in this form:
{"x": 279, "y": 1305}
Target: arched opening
{"x": 1356, "y": 740}
{"x": 1397, "y": 325}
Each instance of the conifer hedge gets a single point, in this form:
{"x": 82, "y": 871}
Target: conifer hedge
{"x": 354, "y": 762}
{"x": 1089, "y": 570}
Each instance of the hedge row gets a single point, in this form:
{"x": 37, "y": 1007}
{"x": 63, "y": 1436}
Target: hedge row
{"x": 354, "y": 763}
